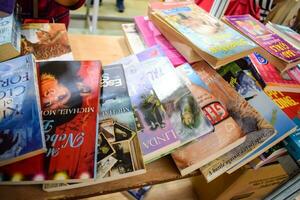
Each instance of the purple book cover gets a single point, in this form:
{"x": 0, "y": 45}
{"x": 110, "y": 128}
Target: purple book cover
{"x": 7, "y": 6}
{"x": 151, "y": 36}
{"x": 270, "y": 41}
{"x": 157, "y": 136}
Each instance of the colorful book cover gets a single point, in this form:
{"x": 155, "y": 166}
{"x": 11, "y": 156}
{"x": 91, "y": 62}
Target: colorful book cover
{"x": 255, "y": 127}
{"x": 226, "y": 135}
{"x": 46, "y": 41}
{"x": 294, "y": 73}
{"x": 152, "y": 36}
{"x": 69, "y": 93}
{"x": 247, "y": 87}
{"x": 268, "y": 40}
{"x": 21, "y": 125}
{"x": 271, "y": 76}
{"x": 157, "y": 136}
{"x": 10, "y": 37}
{"x": 206, "y": 32}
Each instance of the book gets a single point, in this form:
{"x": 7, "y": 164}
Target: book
{"x": 255, "y": 96}
{"x": 254, "y": 126}
{"x": 46, "y": 41}
{"x": 21, "y": 134}
{"x": 7, "y": 7}
{"x": 214, "y": 41}
{"x": 294, "y": 73}
{"x": 226, "y": 135}
{"x": 118, "y": 150}
{"x": 69, "y": 92}
{"x": 286, "y": 33}
{"x": 10, "y": 38}
{"x": 133, "y": 39}
{"x": 272, "y": 78}
{"x": 274, "y": 48}
{"x": 151, "y": 36}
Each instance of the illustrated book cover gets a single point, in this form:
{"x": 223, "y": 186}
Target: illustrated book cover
{"x": 10, "y": 37}
{"x": 271, "y": 77}
{"x": 152, "y": 36}
{"x": 21, "y": 126}
{"x": 247, "y": 87}
{"x": 46, "y": 41}
{"x": 213, "y": 40}
{"x": 226, "y": 135}
{"x": 256, "y": 129}
{"x": 282, "y": 54}
{"x": 69, "y": 92}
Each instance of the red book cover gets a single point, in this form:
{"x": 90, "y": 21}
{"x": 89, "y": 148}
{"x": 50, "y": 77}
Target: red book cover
{"x": 69, "y": 92}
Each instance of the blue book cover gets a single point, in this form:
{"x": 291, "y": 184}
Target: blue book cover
{"x": 247, "y": 87}
{"x": 21, "y": 134}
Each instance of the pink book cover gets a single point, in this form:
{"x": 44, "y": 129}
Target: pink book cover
{"x": 269, "y": 73}
{"x": 294, "y": 73}
{"x": 152, "y": 36}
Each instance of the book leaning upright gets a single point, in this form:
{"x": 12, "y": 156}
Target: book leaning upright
{"x": 217, "y": 43}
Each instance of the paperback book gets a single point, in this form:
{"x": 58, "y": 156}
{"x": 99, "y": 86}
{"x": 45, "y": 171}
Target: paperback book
{"x": 272, "y": 78}
{"x": 10, "y": 37}
{"x": 214, "y": 41}
{"x": 226, "y": 135}
{"x": 272, "y": 43}
{"x": 247, "y": 87}
{"x": 69, "y": 93}
{"x": 46, "y": 41}
{"x": 253, "y": 125}
{"x": 21, "y": 134}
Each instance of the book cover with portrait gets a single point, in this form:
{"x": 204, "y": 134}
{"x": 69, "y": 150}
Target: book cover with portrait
{"x": 69, "y": 92}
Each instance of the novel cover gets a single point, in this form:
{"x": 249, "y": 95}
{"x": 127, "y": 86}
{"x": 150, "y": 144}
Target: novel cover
{"x": 69, "y": 93}
{"x": 255, "y": 127}
{"x": 206, "y": 32}
{"x": 268, "y": 40}
{"x": 226, "y": 135}
{"x": 21, "y": 134}
{"x": 47, "y": 41}
{"x": 255, "y": 96}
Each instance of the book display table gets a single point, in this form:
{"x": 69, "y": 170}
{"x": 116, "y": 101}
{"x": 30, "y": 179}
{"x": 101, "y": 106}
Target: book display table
{"x": 107, "y": 49}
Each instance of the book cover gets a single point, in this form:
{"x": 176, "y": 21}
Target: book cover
{"x": 255, "y": 127}
{"x": 206, "y": 32}
{"x": 268, "y": 40}
{"x": 10, "y": 37}
{"x": 7, "y": 7}
{"x": 272, "y": 78}
{"x": 226, "y": 135}
{"x": 21, "y": 125}
{"x": 157, "y": 136}
{"x": 294, "y": 73}
{"x": 46, "y": 41}
{"x": 152, "y": 36}
{"x": 69, "y": 93}
{"x": 133, "y": 39}
{"x": 255, "y": 96}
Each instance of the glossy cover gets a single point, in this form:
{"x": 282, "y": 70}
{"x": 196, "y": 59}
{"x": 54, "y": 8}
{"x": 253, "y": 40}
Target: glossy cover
{"x": 152, "y": 36}
{"x": 47, "y": 41}
{"x": 206, "y": 32}
{"x": 70, "y": 97}
{"x": 256, "y": 128}
{"x": 270, "y": 41}
{"x": 21, "y": 134}
{"x": 226, "y": 135}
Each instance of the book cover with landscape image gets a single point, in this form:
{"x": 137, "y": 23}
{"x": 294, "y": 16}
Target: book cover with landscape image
{"x": 21, "y": 126}
{"x": 46, "y": 41}
{"x": 69, "y": 93}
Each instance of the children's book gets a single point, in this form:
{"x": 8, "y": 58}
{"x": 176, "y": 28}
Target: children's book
{"x": 253, "y": 125}
{"x": 46, "y": 41}
{"x": 214, "y": 41}
{"x": 246, "y": 86}
{"x": 152, "y": 36}
{"x": 21, "y": 134}
{"x": 10, "y": 37}
{"x": 133, "y": 39}
{"x": 226, "y": 135}
{"x": 278, "y": 51}
{"x": 271, "y": 77}
{"x": 69, "y": 92}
